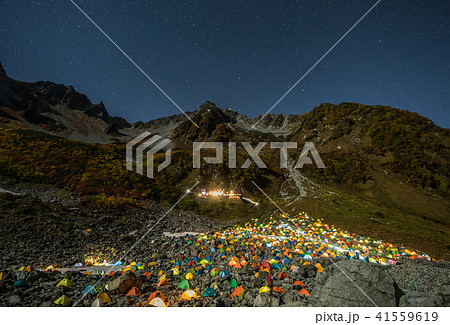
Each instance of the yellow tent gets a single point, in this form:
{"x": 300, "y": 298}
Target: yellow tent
{"x": 189, "y": 294}
{"x": 64, "y": 282}
{"x": 63, "y": 300}
{"x": 104, "y": 297}
{"x": 264, "y": 289}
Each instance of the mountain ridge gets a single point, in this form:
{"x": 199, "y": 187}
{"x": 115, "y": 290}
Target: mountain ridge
{"x": 387, "y": 170}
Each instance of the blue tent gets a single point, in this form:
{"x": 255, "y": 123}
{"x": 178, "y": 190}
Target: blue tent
{"x": 286, "y": 260}
{"x": 209, "y": 292}
{"x": 20, "y": 283}
{"x": 89, "y": 289}
{"x": 224, "y": 273}
{"x": 213, "y": 249}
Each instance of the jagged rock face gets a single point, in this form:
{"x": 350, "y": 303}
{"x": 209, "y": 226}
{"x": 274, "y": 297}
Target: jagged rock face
{"x": 335, "y": 289}
{"x": 57, "y": 109}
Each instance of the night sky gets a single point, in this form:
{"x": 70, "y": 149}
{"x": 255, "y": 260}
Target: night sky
{"x": 242, "y": 55}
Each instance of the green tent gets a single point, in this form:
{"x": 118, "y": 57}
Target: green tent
{"x": 233, "y": 283}
{"x": 184, "y": 285}
{"x": 215, "y": 272}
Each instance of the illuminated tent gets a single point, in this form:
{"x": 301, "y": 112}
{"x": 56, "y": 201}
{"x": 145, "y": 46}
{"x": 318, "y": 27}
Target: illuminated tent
{"x": 157, "y": 302}
{"x": 184, "y": 285}
{"x": 189, "y": 294}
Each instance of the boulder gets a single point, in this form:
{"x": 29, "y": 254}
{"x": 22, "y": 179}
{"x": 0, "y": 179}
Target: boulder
{"x": 422, "y": 300}
{"x": 351, "y": 283}
{"x": 265, "y": 300}
{"x": 307, "y": 271}
{"x": 125, "y": 282}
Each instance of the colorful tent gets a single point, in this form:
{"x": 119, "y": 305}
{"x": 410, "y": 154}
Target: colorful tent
{"x": 157, "y": 302}
{"x": 237, "y": 292}
{"x": 189, "y": 294}
{"x": 64, "y": 282}
{"x": 264, "y": 289}
{"x": 184, "y": 285}
{"x": 104, "y": 297}
{"x": 163, "y": 283}
{"x": 20, "y": 283}
{"x": 89, "y": 289}
{"x": 303, "y": 292}
{"x": 209, "y": 292}
{"x": 63, "y": 300}
{"x": 134, "y": 292}
{"x": 157, "y": 294}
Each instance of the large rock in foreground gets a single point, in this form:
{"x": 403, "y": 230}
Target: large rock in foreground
{"x": 125, "y": 282}
{"x": 334, "y": 288}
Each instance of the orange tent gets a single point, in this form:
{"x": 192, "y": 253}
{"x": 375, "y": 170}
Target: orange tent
{"x": 134, "y": 292}
{"x": 147, "y": 274}
{"x": 303, "y": 292}
{"x": 157, "y": 302}
{"x": 237, "y": 292}
{"x": 163, "y": 283}
{"x": 299, "y": 283}
{"x": 157, "y": 294}
{"x": 237, "y": 266}
{"x": 283, "y": 276}
{"x": 278, "y": 289}
{"x": 319, "y": 267}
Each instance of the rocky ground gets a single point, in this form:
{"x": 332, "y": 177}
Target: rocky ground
{"x": 41, "y": 228}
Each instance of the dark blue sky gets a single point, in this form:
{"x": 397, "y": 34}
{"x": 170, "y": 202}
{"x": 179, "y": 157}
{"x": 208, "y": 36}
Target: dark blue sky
{"x": 239, "y": 54}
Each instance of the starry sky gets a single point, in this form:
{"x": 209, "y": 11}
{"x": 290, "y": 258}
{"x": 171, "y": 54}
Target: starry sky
{"x": 242, "y": 55}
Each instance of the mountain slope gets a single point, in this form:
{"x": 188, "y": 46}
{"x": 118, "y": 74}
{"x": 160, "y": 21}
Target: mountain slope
{"x": 387, "y": 170}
